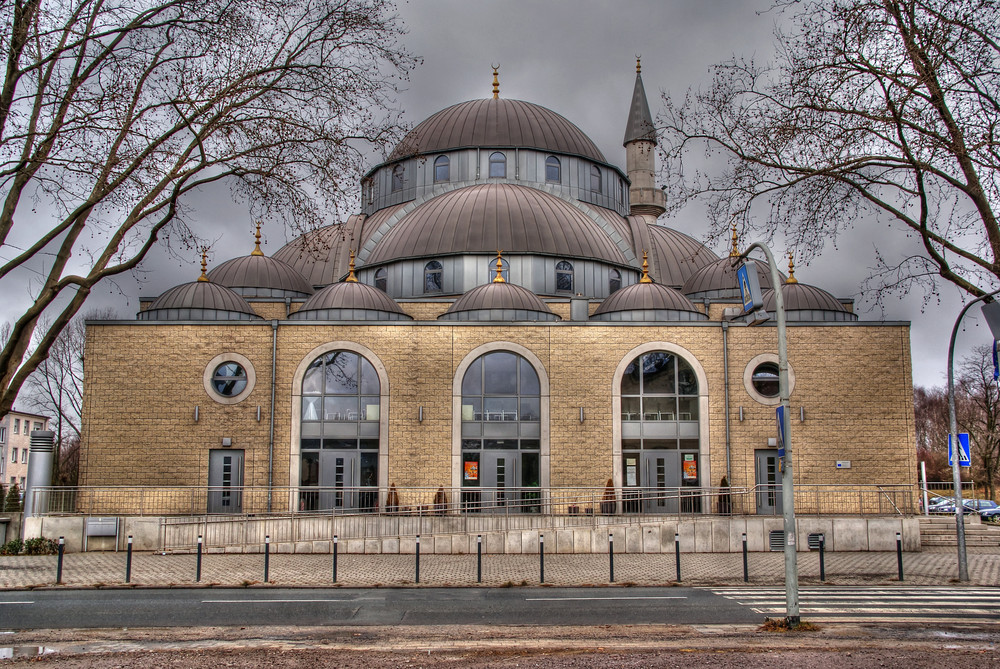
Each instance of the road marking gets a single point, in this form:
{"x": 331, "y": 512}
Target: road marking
{"x": 270, "y": 601}
{"x": 590, "y": 599}
{"x": 16, "y": 602}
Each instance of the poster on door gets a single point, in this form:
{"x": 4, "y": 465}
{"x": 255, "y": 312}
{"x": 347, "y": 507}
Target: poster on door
{"x": 689, "y": 467}
{"x": 471, "y": 470}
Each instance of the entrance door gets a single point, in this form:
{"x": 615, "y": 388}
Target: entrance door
{"x": 768, "y": 480}
{"x": 338, "y": 479}
{"x": 500, "y": 478}
{"x": 660, "y": 473}
{"x": 225, "y": 481}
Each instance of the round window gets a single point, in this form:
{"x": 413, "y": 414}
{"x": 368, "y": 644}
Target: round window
{"x": 229, "y": 379}
{"x": 765, "y": 379}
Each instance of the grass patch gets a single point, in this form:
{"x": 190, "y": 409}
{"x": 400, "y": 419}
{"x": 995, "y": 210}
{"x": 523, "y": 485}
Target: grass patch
{"x": 781, "y": 625}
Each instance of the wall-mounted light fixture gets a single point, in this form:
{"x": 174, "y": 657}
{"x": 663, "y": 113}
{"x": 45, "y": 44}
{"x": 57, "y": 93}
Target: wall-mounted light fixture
{"x": 581, "y": 414}
{"x": 741, "y": 414}
{"x": 420, "y": 414}
{"x": 227, "y": 442}
{"x": 802, "y": 414}
{"x": 258, "y": 413}
{"x": 196, "y": 413}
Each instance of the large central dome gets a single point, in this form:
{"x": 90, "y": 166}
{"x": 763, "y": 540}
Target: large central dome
{"x": 499, "y": 123}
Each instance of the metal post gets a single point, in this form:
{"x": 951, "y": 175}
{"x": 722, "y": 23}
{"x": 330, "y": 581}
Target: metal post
{"x": 334, "y": 558}
{"x": 822, "y": 561}
{"x": 923, "y": 472}
{"x": 197, "y": 569}
{"x": 417, "y": 578}
{"x": 611, "y": 555}
{"x": 899, "y": 555}
{"x": 59, "y": 561}
{"x": 541, "y": 558}
{"x": 746, "y": 564}
{"x": 479, "y": 558}
{"x": 128, "y": 561}
{"x": 267, "y": 559}
{"x": 677, "y": 555}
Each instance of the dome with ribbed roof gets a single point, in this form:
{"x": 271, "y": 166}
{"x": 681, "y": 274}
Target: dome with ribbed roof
{"x": 718, "y": 280}
{"x": 679, "y": 255}
{"x": 499, "y": 302}
{"x": 260, "y": 276}
{"x": 199, "y": 300}
{"x": 496, "y": 123}
{"x": 350, "y": 301}
{"x": 647, "y": 302}
{"x": 803, "y": 302}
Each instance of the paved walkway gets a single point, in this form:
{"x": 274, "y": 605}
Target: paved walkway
{"x": 935, "y": 567}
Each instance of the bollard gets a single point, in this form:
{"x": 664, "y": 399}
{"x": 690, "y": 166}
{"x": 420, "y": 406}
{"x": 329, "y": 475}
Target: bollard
{"x": 334, "y": 558}
{"x": 611, "y": 555}
{"x": 746, "y": 566}
{"x": 197, "y": 569}
{"x": 267, "y": 558}
{"x": 479, "y": 558}
{"x": 59, "y": 562}
{"x": 822, "y": 561}
{"x": 677, "y": 555}
{"x": 128, "y": 561}
{"x": 541, "y": 558}
{"x": 899, "y": 555}
{"x": 417, "y": 578}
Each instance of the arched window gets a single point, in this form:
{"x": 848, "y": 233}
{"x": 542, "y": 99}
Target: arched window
{"x": 442, "y": 169}
{"x": 498, "y": 165}
{"x": 340, "y": 433}
{"x": 595, "y": 178}
{"x": 398, "y": 178}
{"x": 433, "y": 277}
{"x": 501, "y": 432}
{"x": 621, "y": 192}
{"x": 381, "y": 279}
{"x": 564, "y": 277}
{"x": 614, "y": 281}
{"x": 491, "y": 267}
{"x": 553, "y": 169}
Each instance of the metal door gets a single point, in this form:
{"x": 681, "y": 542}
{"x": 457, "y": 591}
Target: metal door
{"x": 660, "y": 481}
{"x": 768, "y": 481}
{"x": 225, "y": 481}
{"x": 338, "y": 479}
{"x": 500, "y": 478}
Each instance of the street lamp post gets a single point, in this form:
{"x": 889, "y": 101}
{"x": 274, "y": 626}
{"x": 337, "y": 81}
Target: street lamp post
{"x": 956, "y": 469}
{"x": 787, "y": 486}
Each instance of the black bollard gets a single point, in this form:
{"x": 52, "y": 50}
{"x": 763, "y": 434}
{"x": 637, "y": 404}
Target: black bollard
{"x": 746, "y": 565}
{"x": 479, "y": 558}
{"x": 611, "y": 555}
{"x": 822, "y": 561}
{"x": 334, "y": 558}
{"x": 541, "y": 558}
{"x": 197, "y": 570}
{"x": 59, "y": 562}
{"x": 677, "y": 555}
{"x": 128, "y": 561}
{"x": 417, "y": 578}
{"x": 899, "y": 555}
{"x": 267, "y": 558}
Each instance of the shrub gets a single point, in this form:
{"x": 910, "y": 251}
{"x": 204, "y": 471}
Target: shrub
{"x": 12, "y": 502}
{"x": 12, "y": 547}
{"x": 40, "y": 546}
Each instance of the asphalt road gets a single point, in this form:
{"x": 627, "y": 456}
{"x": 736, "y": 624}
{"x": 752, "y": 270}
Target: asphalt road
{"x": 38, "y": 609}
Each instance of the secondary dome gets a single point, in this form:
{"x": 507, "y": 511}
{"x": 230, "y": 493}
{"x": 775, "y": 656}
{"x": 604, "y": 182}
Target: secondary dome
{"x": 718, "y": 280}
{"x": 199, "y": 300}
{"x": 260, "y": 276}
{"x": 350, "y": 301}
{"x": 803, "y": 302}
{"x": 647, "y": 302}
{"x": 499, "y": 302}
{"x": 499, "y": 123}
{"x": 486, "y": 217}
{"x": 679, "y": 255}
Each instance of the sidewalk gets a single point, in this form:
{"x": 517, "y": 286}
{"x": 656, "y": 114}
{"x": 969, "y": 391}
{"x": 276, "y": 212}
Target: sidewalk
{"x": 934, "y": 567}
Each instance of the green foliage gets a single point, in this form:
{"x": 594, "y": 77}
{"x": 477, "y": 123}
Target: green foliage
{"x": 12, "y": 502}
{"x": 12, "y": 547}
{"x": 40, "y": 546}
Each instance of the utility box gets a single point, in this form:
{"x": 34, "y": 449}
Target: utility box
{"x": 102, "y": 533}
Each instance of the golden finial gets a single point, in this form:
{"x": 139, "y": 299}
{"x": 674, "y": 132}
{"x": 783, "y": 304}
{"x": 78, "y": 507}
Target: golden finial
{"x": 736, "y": 251}
{"x": 645, "y": 268}
{"x": 204, "y": 264}
{"x": 496, "y": 82}
{"x": 791, "y": 270}
{"x": 638, "y": 64}
{"x": 350, "y": 274}
{"x": 499, "y": 270}
{"x": 256, "y": 251}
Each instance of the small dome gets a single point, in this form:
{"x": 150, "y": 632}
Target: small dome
{"x": 260, "y": 276}
{"x": 803, "y": 302}
{"x": 499, "y": 302}
{"x": 496, "y": 123}
{"x": 647, "y": 302}
{"x": 679, "y": 255}
{"x": 350, "y": 301}
{"x": 198, "y": 301}
{"x": 718, "y": 280}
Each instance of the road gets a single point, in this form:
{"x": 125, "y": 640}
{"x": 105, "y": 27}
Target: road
{"x": 198, "y": 607}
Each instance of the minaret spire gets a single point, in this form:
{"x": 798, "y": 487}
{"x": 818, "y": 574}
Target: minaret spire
{"x": 640, "y": 161}
{"x": 496, "y": 82}
{"x": 256, "y": 251}
{"x": 204, "y": 264}
{"x": 350, "y": 274}
{"x": 499, "y": 270}
{"x": 791, "y": 270}
{"x": 645, "y": 268}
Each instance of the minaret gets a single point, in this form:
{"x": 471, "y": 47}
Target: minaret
{"x": 640, "y": 160}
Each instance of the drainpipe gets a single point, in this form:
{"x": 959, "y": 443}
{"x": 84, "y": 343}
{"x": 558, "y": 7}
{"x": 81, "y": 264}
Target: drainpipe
{"x": 725, "y": 386}
{"x": 270, "y": 445}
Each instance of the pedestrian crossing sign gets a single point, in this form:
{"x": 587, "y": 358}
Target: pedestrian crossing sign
{"x": 965, "y": 455}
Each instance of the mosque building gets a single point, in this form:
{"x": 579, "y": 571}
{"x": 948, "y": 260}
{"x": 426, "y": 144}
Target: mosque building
{"x": 504, "y": 323}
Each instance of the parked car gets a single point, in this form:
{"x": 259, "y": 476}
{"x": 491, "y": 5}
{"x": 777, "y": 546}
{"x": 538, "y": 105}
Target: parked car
{"x": 949, "y": 506}
{"x": 986, "y": 508}
{"x": 938, "y": 504}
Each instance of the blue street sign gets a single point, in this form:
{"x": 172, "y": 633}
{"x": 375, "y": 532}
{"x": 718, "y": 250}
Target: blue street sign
{"x": 779, "y": 412}
{"x": 965, "y": 456}
{"x": 750, "y": 295}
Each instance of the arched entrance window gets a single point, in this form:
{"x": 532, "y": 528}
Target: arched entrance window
{"x": 339, "y": 433}
{"x": 660, "y": 434}
{"x": 501, "y": 432}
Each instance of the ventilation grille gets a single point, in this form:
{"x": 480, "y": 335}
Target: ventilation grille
{"x": 777, "y": 540}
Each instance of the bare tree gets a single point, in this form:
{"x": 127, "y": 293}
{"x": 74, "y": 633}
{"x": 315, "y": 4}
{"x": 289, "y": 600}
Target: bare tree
{"x": 874, "y": 111}
{"x": 930, "y": 409}
{"x": 977, "y": 406}
{"x": 111, "y": 111}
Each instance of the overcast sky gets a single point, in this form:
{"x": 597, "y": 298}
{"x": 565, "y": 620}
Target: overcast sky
{"x": 578, "y": 58}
